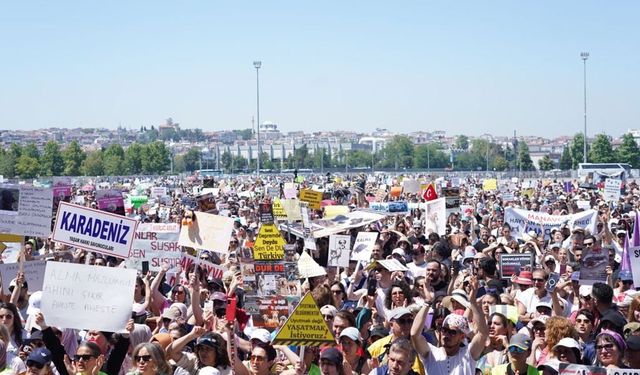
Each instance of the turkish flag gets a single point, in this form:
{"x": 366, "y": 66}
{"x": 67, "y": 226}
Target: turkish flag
{"x": 430, "y": 193}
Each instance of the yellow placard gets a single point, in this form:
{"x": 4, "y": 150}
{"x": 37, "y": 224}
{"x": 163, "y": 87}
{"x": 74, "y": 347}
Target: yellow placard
{"x": 269, "y": 244}
{"x": 332, "y": 211}
{"x": 528, "y": 192}
{"x": 305, "y": 326}
{"x": 489, "y": 184}
{"x": 278, "y": 209}
{"x": 314, "y": 198}
{"x": 10, "y": 237}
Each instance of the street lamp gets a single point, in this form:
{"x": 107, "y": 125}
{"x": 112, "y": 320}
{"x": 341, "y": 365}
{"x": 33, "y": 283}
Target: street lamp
{"x": 257, "y": 65}
{"x": 584, "y": 56}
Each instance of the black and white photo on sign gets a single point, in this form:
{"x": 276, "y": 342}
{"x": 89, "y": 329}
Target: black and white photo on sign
{"x": 339, "y": 250}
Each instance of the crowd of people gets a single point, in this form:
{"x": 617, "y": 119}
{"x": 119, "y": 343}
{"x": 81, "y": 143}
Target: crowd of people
{"x": 440, "y": 307}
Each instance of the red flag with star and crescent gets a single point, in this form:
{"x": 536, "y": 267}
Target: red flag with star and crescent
{"x": 430, "y": 193}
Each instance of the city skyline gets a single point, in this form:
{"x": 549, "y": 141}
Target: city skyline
{"x": 467, "y": 68}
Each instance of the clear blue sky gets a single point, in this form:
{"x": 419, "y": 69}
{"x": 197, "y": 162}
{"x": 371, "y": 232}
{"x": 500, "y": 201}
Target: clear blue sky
{"x": 467, "y": 67}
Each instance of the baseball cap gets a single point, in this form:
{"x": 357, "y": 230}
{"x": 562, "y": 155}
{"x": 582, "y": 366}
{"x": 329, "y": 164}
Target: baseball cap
{"x": 260, "y": 334}
{"x": 332, "y": 355}
{"x": 352, "y": 333}
{"x": 399, "y": 313}
{"x": 41, "y": 356}
{"x": 398, "y": 251}
{"x": 585, "y": 290}
{"x": 633, "y": 342}
{"x": 520, "y": 340}
{"x": 208, "y": 340}
{"x": 328, "y": 310}
{"x": 378, "y": 331}
{"x": 568, "y": 342}
{"x": 630, "y": 328}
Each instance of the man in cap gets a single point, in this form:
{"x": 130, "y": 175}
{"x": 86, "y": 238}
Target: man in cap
{"x": 602, "y": 295}
{"x": 38, "y": 362}
{"x": 401, "y": 319}
{"x": 331, "y": 362}
{"x": 455, "y": 356}
{"x": 519, "y": 350}
{"x": 528, "y": 299}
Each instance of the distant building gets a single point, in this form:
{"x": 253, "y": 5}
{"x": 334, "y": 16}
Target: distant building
{"x": 269, "y": 131}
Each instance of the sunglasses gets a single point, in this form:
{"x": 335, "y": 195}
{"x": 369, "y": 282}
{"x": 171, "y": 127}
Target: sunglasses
{"x": 515, "y": 349}
{"x": 35, "y": 364}
{"x": 607, "y": 347}
{"x": 539, "y": 280}
{"x": 588, "y": 244}
{"x": 142, "y": 358}
{"x": 84, "y": 357}
{"x": 404, "y": 321}
{"x": 449, "y": 331}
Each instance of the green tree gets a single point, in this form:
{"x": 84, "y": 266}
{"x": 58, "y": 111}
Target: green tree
{"x": 565, "y": 159}
{"x": 546, "y": 164}
{"x": 155, "y": 158}
{"x": 225, "y": 161}
{"x": 31, "y": 150}
{"x": 179, "y": 164}
{"x": 7, "y": 163}
{"x": 15, "y": 150}
{"x": 628, "y": 151}
{"x": 192, "y": 159}
{"x": 113, "y": 160}
{"x": 601, "y": 150}
{"x": 430, "y": 156}
{"x": 51, "y": 162}
{"x": 500, "y": 163}
{"x": 238, "y": 163}
{"x": 462, "y": 142}
{"x": 359, "y": 158}
{"x": 73, "y": 156}
{"x": 321, "y": 159}
{"x": 92, "y": 164}
{"x": 133, "y": 158}
{"x": 524, "y": 157}
{"x": 577, "y": 150}
{"x": 398, "y": 152}
{"x": 27, "y": 166}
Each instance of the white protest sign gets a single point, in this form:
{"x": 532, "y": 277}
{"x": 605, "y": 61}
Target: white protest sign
{"x": 436, "y": 216}
{"x": 290, "y": 190}
{"x": 156, "y": 244}
{"x": 94, "y": 230}
{"x": 87, "y": 297}
{"x": 612, "y": 189}
{"x": 158, "y": 191}
{"x": 208, "y": 232}
{"x": 33, "y": 273}
{"x": 411, "y": 186}
{"x": 523, "y": 221}
{"x": 25, "y": 210}
{"x": 364, "y": 245}
{"x": 583, "y": 205}
{"x": 623, "y": 371}
{"x": 214, "y": 271}
{"x": 339, "y": 249}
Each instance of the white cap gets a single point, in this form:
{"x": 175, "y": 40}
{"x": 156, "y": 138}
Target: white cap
{"x": 352, "y": 333}
{"x": 328, "y": 310}
{"x": 261, "y": 334}
{"x": 568, "y": 342}
{"x": 398, "y": 251}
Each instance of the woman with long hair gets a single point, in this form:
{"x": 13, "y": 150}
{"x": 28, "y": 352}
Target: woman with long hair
{"x": 398, "y": 295}
{"x": 149, "y": 359}
{"x": 500, "y": 331}
{"x": 10, "y": 318}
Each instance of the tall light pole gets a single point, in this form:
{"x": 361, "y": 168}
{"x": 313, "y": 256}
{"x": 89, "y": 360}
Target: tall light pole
{"x": 257, "y": 65}
{"x": 585, "y": 56}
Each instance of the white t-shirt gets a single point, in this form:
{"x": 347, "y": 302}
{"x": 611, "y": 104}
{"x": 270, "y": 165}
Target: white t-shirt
{"x": 530, "y": 299}
{"x": 437, "y": 362}
{"x": 416, "y": 270}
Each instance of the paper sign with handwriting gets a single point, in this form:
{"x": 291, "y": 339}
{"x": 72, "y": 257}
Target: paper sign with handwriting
{"x": 94, "y": 230}
{"x": 33, "y": 274}
{"x": 157, "y": 244}
{"x": 87, "y": 297}
{"x": 25, "y": 210}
